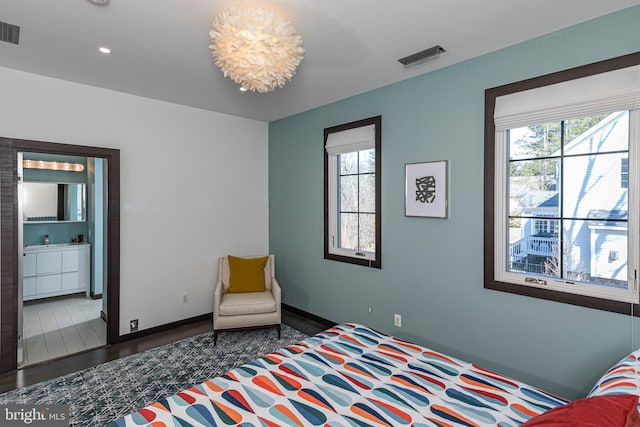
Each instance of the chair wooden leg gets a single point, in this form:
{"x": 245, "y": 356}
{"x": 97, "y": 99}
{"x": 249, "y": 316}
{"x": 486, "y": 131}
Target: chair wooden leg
{"x": 278, "y": 328}
{"x": 215, "y": 338}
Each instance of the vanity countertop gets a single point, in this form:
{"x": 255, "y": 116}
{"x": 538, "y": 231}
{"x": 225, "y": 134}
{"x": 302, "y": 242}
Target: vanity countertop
{"x": 53, "y": 246}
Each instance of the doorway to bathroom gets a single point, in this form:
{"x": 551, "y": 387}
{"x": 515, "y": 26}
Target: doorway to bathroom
{"x": 61, "y": 245}
{"x": 12, "y": 250}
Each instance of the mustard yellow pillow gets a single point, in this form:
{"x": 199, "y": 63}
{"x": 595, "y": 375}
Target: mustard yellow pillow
{"x": 246, "y": 274}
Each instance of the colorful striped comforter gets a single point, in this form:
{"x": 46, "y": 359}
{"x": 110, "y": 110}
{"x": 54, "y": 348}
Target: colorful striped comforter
{"x": 350, "y": 375}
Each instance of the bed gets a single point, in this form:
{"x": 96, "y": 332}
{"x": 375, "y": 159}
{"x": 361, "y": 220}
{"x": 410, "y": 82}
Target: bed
{"x": 351, "y": 375}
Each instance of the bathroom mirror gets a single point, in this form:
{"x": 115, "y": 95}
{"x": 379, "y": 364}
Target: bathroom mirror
{"x": 52, "y": 202}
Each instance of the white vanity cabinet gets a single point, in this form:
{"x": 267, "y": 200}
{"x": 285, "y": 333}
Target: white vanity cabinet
{"x": 54, "y": 270}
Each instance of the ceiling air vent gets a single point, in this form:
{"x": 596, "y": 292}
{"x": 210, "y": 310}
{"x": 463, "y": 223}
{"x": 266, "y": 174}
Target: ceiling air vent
{"x": 419, "y": 57}
{"x": 9, "y": 33}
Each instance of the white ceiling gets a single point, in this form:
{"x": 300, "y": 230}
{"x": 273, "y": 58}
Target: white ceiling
{"x": 161, "y": 47}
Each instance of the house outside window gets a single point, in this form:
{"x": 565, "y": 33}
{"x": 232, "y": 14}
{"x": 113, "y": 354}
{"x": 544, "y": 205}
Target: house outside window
{"x": 561, "y": 200}
{"x": 576, "y": 162}
{"x": 352, "y": 192}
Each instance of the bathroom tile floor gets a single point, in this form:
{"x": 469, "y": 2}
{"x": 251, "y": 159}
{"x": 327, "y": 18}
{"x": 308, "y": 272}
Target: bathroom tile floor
{"x": 59, "y": 327}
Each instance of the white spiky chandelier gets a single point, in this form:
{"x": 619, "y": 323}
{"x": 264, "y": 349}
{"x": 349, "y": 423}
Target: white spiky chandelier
{"x": 255, "y": 47}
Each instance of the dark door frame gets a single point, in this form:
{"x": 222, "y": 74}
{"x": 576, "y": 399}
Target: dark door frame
{"x": 9, "y": 149}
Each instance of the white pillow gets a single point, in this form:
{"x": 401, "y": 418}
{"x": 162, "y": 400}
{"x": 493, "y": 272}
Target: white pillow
{"x": 622, "y": 378}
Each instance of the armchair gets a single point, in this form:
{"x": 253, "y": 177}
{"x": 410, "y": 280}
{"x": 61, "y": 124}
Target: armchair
{"x": 245, "y": 310}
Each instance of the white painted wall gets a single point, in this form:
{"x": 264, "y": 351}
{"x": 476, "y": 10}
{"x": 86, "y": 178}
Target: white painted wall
{"x": 194, "y": 185}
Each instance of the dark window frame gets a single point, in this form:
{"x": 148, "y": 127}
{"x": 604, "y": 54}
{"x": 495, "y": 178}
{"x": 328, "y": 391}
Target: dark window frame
{"x": 377, "y": 263}
{"x": 489, "y": 185}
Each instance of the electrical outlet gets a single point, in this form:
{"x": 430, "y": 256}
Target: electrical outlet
{"x": 397, "y": 320}
{"x": 185, "y": 298}
{"x": 133, "y": 325}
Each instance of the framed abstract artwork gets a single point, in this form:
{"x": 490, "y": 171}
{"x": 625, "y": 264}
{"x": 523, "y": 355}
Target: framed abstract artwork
{"x": 425, "y": 192}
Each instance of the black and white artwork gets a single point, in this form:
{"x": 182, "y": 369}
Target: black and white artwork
{"x": 426, "y": 189}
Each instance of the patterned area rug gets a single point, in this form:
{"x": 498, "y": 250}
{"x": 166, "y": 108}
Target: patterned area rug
{"x": 100, "y": 394}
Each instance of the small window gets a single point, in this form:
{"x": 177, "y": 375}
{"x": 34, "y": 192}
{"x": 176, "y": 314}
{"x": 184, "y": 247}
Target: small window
{"x": 624, "y": 172}
{"x": 561, "y": 185}
{"x": 545, "y": 227}
{"x": 352, "y": 192}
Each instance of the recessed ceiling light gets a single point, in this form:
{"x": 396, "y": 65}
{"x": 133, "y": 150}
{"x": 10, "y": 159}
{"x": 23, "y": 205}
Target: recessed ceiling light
{"x": 100, "y": 2}
{"x": 104, "y": 50}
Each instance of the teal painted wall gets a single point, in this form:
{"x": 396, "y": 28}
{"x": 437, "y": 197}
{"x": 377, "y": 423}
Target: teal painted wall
{"x": 432, "y": 270}
{"x": 58, "y": 232}
{"x": 97, "y": 226}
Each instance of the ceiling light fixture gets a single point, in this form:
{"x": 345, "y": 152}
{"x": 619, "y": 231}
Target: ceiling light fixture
{"x": 104, "y": 50}
{"x": 99, "y": 2}
{"x": 256, "y": 48}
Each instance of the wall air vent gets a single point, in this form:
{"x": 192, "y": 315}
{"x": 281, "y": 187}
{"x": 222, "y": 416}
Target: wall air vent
{"x": 9, "y": 33}
{"x": 419, "y": 57}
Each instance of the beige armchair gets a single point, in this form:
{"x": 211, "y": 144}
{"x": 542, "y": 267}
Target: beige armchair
{"x": 246, "y": 310}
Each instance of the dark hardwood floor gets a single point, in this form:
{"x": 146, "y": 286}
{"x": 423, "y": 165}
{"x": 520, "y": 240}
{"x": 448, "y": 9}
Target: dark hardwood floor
{"x": 297, "y": 319}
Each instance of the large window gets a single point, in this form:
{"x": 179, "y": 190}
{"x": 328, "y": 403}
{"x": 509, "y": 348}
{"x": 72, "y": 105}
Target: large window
{"x": 561, "y": 186}
{"x": 352, "y": 192}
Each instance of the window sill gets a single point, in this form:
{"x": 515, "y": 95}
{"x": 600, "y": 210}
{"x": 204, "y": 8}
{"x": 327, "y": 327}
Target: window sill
{"x": 566, "y": 298}
{"x": 353, "y": 260}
